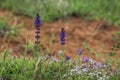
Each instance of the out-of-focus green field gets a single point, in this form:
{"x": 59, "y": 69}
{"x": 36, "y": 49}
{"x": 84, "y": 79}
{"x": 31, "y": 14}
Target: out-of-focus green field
{"x": 59, "y": 9}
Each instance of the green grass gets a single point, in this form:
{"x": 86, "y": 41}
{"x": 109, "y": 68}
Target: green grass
{"x": 59, "y": 9}
{"x": 6, "y": 30}
{"x": 16, "y": 69}
{"x": 97, "y": 9}
{"x": 40, "y": 68}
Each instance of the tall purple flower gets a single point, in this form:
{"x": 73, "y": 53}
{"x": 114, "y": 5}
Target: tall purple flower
{"x": 62, "y": 36}
{"x": 86, "y": 59}
{"x": 80, "y": 51}
{"x": 37, "y": 23}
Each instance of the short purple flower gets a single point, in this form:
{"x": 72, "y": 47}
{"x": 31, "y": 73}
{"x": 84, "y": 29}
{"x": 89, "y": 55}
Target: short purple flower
{"x": 80, "y": 51}
{"x": 86, "y": 59}
{"x": 62, "y": 36}
{"x": 37, "y": 21}
{"x": 67, "y": 58}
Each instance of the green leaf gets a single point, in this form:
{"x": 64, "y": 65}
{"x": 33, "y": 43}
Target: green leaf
{"x": 112, "y": 54}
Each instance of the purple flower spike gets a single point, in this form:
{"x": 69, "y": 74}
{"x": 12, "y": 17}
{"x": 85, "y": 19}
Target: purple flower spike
{"x": 37, "y": 21}
{"x": 62, "y": 36}
{"x": 67, "y": 58}
{"x": 80, "y": 51}
{"x": 86, "y": 59}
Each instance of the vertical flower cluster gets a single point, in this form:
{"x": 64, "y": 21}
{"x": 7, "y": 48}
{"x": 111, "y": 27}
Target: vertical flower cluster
{"x": 37, "y": 23}
{"x": 62, "y": 36}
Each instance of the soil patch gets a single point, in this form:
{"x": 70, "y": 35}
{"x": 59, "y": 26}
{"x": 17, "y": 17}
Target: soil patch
{"x": 97, "y": 34}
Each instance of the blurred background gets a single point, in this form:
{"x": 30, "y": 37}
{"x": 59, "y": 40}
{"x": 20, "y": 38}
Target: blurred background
{"x": 60, "y": 9}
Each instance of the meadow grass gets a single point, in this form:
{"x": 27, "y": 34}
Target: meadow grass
{"x": 60, "y": 9}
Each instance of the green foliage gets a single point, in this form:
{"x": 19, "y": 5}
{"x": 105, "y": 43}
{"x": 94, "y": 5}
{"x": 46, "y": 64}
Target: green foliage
{"x": 42, "y": 68}
{"x": 112, "y": 54}
{"x": 107, "y": 9}
{"x": 59, "y": 9}
{"x": 55, "y": 9}
{"x": 16, "y": 69}
{"x": 6, "y": 30}
{"x": 49, "y": 9}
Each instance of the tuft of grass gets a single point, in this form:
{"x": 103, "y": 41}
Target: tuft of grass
{"x": 6, "y": 30}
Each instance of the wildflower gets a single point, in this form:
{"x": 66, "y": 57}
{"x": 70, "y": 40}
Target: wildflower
{"x": 60, "y": 52}
{"x": 67, "y": 58}
{"x": 85, "y": 69}
{"x": 84, "y": 65}
{"x": 100, "y": 78}
{"x": 55, "y": 59}
{"x": 94, "y": 67}
{"x": 92, "y": 61}
{"x": 37, "y": 23}
{"x": 62, "y": 36}
{"x": 80, "y": 51}
{"x": 64, "y": 75}
{"x": 98, "y": 65}
{"x": 79, "y": 72}
{"x": 90, "y": 74}
{"x": 76, "y": 68}
{"x": 86, "y": 59}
